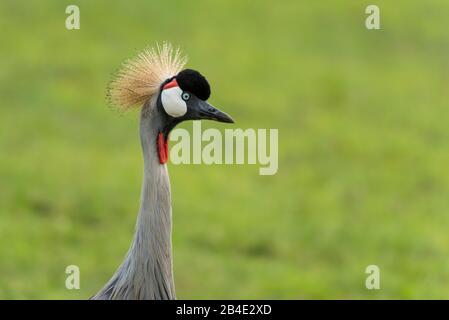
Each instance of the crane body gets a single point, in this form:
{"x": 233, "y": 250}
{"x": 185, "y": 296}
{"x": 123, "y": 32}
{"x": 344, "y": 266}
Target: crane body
{"x": 168, "y": 97}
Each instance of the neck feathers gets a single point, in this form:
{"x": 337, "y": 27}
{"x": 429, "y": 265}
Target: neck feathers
{"x": 147, "y": 272}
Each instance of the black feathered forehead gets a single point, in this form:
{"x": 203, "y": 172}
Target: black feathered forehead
{"x": 194, "y": 82}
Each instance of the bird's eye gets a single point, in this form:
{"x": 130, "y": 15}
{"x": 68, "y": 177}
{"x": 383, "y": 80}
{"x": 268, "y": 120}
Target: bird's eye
{"x": 185, "y": 96}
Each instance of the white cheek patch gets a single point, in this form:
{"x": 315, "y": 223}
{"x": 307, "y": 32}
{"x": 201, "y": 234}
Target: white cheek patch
{"x": 172, "y": 102}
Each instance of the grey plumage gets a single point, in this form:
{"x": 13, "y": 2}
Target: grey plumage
{"x": 147, "y": 271}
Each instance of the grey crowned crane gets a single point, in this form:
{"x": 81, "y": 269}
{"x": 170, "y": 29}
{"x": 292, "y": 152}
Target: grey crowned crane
{"x": 167, "y": 94}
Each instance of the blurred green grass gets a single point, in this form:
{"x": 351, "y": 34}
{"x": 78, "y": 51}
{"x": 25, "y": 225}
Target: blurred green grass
{"x": 364, "y": 146}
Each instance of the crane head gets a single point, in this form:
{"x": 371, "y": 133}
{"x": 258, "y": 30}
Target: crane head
{"x": 155, "y": 79}
{"x": 184, "y": 97}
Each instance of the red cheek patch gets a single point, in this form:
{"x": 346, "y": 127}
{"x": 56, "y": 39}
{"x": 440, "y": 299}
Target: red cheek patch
{"x": 171, "y": 84}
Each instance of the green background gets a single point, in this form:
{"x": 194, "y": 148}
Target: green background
{"x": 363, "y": 148}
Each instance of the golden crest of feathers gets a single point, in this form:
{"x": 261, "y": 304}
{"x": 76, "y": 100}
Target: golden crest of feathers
{"x": 139, "y": 78}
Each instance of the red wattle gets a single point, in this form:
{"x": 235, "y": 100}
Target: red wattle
{"x": 162, "y": 148}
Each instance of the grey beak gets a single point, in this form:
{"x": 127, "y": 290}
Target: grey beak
{"x": 204, "y": 110}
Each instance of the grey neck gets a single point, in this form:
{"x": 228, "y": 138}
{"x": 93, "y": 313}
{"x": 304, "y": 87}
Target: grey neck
{"x": 147, "y": 272}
